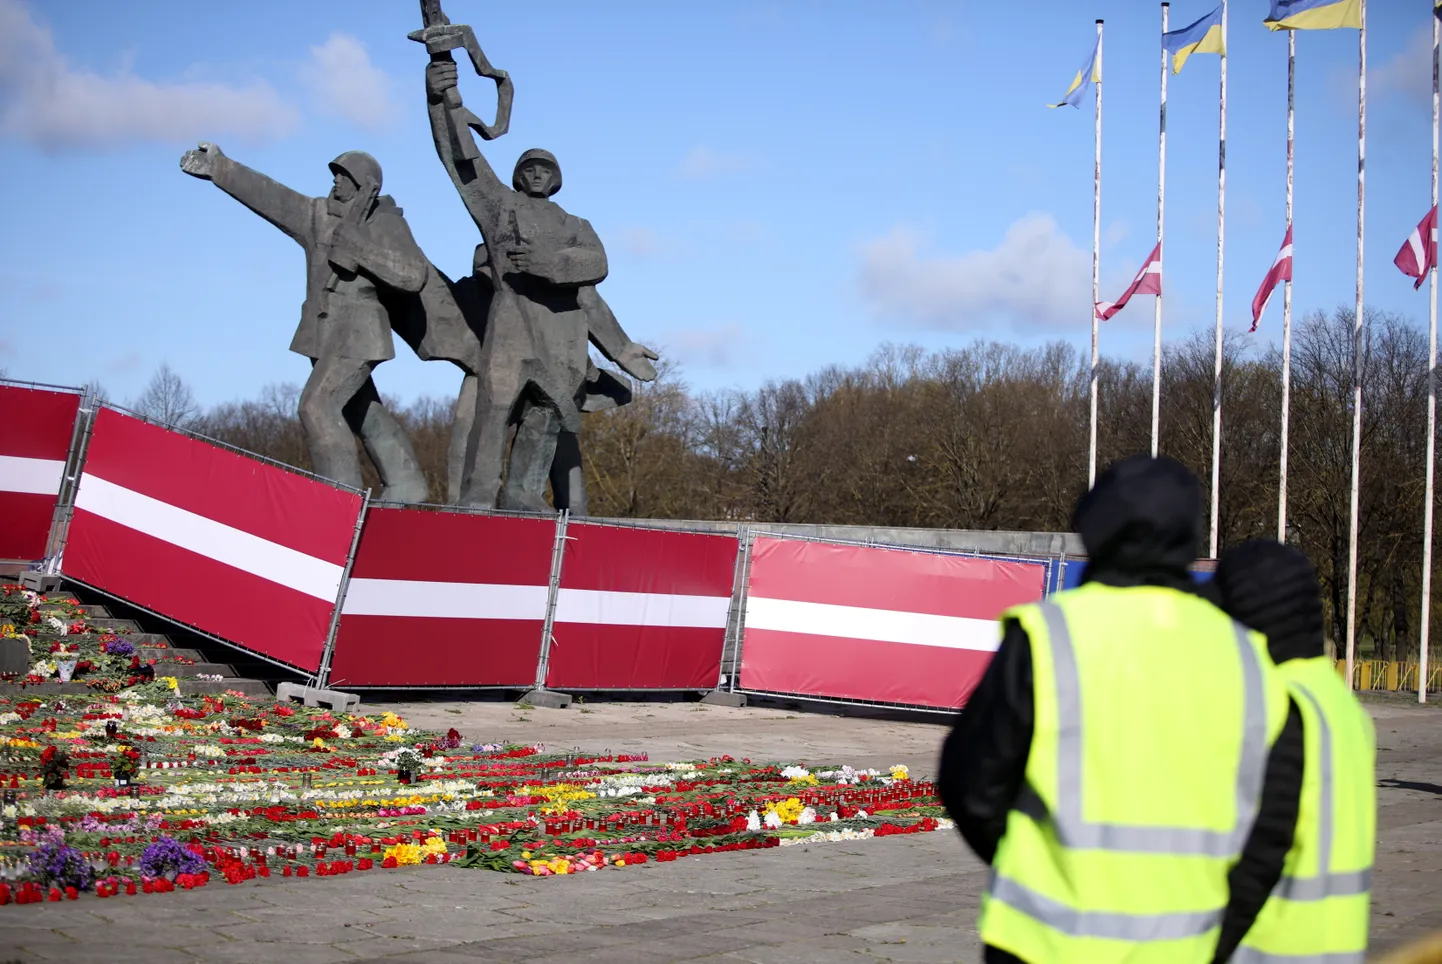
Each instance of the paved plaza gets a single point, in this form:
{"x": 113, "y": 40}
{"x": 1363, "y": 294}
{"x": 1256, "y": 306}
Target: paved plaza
{"x": 903, "y": 899}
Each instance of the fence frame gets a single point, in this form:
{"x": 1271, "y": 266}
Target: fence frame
{"x": 722, "y": 529}
{"x": 1047, "y": 562}
{"x": 49, "y": 564}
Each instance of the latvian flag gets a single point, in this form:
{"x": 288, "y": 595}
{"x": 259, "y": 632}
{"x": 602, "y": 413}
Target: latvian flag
{"x": 1419, "y": 256}
{"x": 1147, "y": 282}
{"x": 1281, "y": 271}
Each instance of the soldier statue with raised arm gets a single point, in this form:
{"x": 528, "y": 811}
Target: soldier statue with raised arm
{"x": 541, "y": 266}
{"x": 358, "y": 249}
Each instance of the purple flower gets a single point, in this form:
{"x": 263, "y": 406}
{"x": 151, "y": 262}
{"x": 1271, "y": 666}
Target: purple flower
{"x": 167, "y": 857}
{"x": 59, "y": 864}
{"x": 120, "y": 647}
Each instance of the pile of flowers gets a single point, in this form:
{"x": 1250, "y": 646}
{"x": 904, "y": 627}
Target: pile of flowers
{"x": 65, "y": 648}
{"x": 160, "y": 792}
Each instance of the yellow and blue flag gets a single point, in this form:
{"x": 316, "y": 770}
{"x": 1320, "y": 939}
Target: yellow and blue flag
{"x": 1091, "y": 73}
{"x": 1202, "y": 37}
{"x": 1314, "y": 14}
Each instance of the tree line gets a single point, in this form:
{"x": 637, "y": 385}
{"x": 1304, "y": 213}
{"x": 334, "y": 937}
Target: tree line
{"x": 993, "y": 436}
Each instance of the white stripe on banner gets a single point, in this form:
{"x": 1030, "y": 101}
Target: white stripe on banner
{"x": 31, "y": 476}
{"x": 881, "y": 625}
{"x": 206, "y": 537}
{"x": 444, "y": 600}
{"x": 641, "y": 609}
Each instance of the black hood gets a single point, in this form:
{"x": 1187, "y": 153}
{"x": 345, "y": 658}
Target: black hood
{"x": 1141, "y": 524}
{"x": 1273, "y": 589}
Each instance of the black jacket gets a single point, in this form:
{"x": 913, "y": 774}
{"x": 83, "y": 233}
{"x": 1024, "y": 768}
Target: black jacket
{"x": 983, "y": 761}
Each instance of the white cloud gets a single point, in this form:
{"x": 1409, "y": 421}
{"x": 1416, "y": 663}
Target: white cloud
{"x": 1036, "y": 278}
{"x": 708, "y": 347}
{"x": 702, "y": 162}
{"x": 343, "y": 81}
{"x": 46, "y": 101}
{"x": 1407, "y": 72}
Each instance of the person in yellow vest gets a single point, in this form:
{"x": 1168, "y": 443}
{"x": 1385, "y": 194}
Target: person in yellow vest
{"x": 1318, "y": 911}
{"x": 1130, "y": 760}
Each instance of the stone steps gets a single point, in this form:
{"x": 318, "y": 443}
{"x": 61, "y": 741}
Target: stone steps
{"x": 157, "y": 646}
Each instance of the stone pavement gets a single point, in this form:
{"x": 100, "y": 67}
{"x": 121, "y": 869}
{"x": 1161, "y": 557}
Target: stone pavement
{"x": 902, "y": 899}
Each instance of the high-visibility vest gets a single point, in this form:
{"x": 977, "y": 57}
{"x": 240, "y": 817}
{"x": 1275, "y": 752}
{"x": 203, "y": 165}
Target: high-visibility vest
{"x": 1154, "y": 716}
{"x": 1319, "y": 910}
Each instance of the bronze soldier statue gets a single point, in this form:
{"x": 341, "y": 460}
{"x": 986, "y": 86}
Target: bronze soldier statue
{"x": 358, "y": 250}
{"x": 541, "y": 270}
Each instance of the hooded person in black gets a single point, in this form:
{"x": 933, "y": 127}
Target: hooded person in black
{"x": 1141, "y": 526}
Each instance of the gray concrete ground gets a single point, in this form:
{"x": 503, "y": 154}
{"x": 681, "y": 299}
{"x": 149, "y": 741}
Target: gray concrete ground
{"x": 902, "y": 899}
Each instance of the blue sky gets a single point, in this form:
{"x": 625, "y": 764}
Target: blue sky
{"x": 780, "y": 186}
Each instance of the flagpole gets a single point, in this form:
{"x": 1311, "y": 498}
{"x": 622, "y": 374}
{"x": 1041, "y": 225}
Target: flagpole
{"x": 1161, "y": 209}
{"x": 1096, "y": 261}
{"x": 1287, "y": 298}
{"x": 1431, "y": 403}
{"x": 1221, "y": 235}
{"x": 1357, "y": 331}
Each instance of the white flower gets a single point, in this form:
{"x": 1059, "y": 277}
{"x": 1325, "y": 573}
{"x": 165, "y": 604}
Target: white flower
{"x": 835, "y": 816}
{"x": 807, "y": 815}
{"x": 795, "y": 773}
{"x": 753, "y": 822}
{"x": 861, "y": 814}
{"x": 58, "y": 625}
{"x": 11, "y": 718}
{"x": 773, "y": 820}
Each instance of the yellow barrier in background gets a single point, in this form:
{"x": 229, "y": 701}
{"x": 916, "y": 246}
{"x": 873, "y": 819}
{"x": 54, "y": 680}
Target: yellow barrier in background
{"x": 1391, "y": 675}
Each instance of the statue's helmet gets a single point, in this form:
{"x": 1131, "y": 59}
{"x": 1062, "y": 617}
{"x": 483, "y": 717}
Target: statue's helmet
{"x": 536, "y": 154}
{"x": 359, "y": 167}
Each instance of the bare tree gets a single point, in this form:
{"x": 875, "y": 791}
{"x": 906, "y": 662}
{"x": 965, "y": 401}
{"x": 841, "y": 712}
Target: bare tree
{"x": 167, "y": 399}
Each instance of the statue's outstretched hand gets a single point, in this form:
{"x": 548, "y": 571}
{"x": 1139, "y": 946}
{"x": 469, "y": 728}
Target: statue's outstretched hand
{"x": 441, "y": 76}
{"x": 635, "y": 360}
{"x": 201, "y": 161}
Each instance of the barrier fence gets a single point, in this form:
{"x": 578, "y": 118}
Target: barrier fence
{"x": 35, "y": 445}
{"x": 445, "y": 599}
{"x": 875, "y": 625}
{"x": 305, "y": 573}
{"x": 641, "y": 609}
{"x": 239, "y": 549}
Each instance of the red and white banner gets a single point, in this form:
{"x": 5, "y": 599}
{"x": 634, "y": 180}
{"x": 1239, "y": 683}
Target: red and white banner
{"x": 233, "y": 546}
{"x": 641, "y": 609}
{"x": 880, "y": 625}
{"x": 444, "y": 599}
{"x": 35, "y": 431}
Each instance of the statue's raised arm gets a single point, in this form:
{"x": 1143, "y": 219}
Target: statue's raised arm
{"x": 481, "y": 190}
{"x": 452, "y": 122}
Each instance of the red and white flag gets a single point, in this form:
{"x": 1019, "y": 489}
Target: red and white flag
{"x": 1419, "y": 254}
{"x": 1281, "y": 271}
{"x": 1147, "y": 282}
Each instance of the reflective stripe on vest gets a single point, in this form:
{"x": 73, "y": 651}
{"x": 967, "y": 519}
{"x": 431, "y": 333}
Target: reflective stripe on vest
{"x": 1077, "y": 833}
{"x": 1107, "y": 924}
{"x": 1324, "y": 884}
{"x": 1250, "y": 955}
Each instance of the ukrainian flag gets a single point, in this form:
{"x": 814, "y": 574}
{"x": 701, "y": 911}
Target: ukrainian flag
{"x": 1202, "y": 37}
{"x": 1091, "y": 73}
{"x": 1315, "y": 14}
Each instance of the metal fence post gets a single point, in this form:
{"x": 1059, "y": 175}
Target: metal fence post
{"x": 558, "y": 555}
{"x": 733, "y": 613}
{"x": 743, "y": 585}
{"x": 322, "y": 675}
{"x": 70, "y": 482}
